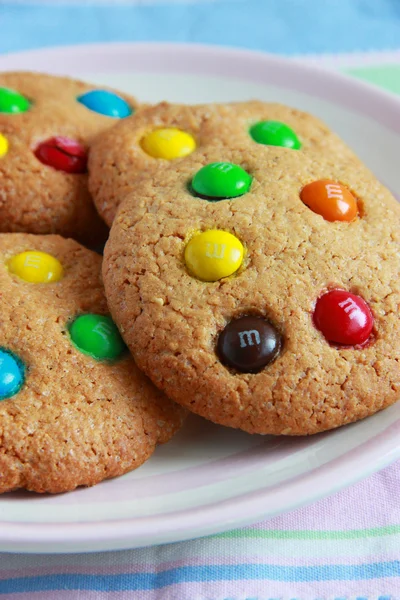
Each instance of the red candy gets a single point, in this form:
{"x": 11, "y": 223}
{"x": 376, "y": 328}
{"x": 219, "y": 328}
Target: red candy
{"x": 63, "y": 154}
{"x": 343, "y": 318}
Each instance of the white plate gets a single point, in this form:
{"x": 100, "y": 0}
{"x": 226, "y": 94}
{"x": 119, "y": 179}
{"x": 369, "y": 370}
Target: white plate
{"x": 210, "y": 479}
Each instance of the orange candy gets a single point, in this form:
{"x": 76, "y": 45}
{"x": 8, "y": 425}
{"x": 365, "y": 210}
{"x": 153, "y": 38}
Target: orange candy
{"x": 330, "y": 199}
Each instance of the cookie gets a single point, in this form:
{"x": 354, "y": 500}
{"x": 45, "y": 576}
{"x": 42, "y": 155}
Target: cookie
{"x": 257, "y": 284}
{"x": 151, "y": 138}
{"x": 74, "y": 408}
{"x": 46, "y": 126}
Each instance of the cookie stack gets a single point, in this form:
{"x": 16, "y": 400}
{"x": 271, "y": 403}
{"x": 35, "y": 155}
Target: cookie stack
{"x": 252, "y": 270}
{"x": 74, "y": 408}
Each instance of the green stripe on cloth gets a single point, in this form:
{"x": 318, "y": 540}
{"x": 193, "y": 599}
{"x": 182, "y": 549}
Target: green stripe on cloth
{"x": 310, "y": 535}
{"x": 385, "y": 76}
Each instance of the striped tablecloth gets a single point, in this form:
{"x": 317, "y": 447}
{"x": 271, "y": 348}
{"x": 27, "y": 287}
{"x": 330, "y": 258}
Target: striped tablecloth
{"x": 341, "y": 548}
{"x": 345, "y": 547}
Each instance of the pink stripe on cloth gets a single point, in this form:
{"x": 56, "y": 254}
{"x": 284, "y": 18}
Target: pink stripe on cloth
{"x": 328, "y": 514}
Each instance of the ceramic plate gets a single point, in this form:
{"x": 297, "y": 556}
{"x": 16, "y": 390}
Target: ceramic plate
{"x": 210, "y": 479}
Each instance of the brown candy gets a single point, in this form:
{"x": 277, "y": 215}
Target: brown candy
{"x": 249, "y": 343}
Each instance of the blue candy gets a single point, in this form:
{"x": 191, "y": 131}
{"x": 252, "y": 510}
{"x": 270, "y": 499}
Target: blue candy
{"x": 106, "y": 103}
{"x": 11, "y": 374}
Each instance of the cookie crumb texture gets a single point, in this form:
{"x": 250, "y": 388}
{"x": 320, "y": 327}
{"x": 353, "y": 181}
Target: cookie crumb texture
{"x": 172, "y": 319}
{"x": 43, "y": 175}
{"x": 74, "y": 420}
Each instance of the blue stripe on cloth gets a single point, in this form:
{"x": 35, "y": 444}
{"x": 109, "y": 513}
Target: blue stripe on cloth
{"x": 283, "y": 26}
{"x": 153, "y": 581}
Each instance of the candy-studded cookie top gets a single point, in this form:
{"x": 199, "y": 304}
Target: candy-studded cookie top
{"x": 163, "y": 137}
{"x": 46, "y": 132}
{"x": 309, "y": 254}
{"x": 74, "y": 408}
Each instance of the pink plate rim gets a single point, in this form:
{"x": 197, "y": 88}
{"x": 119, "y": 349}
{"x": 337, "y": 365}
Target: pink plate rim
{"x": 200, "y": 59}
{"x": 372, "y": 455}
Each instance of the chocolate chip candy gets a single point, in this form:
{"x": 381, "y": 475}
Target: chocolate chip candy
{"x": 249, "y": 343}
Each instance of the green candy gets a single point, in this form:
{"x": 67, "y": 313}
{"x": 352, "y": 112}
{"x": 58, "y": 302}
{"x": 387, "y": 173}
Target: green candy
{"x": 221, "y": 180}
{"x": 12, "y": 102}
{"x": 97, "y": 336}
{"x": 275, "y": 133}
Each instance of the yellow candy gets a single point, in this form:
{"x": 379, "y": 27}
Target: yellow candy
{"x": 168, "y": 143}
{"x": 213, "y": 255}
{"x": 36, "y": 267}
{"x": 3, "y": 145}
